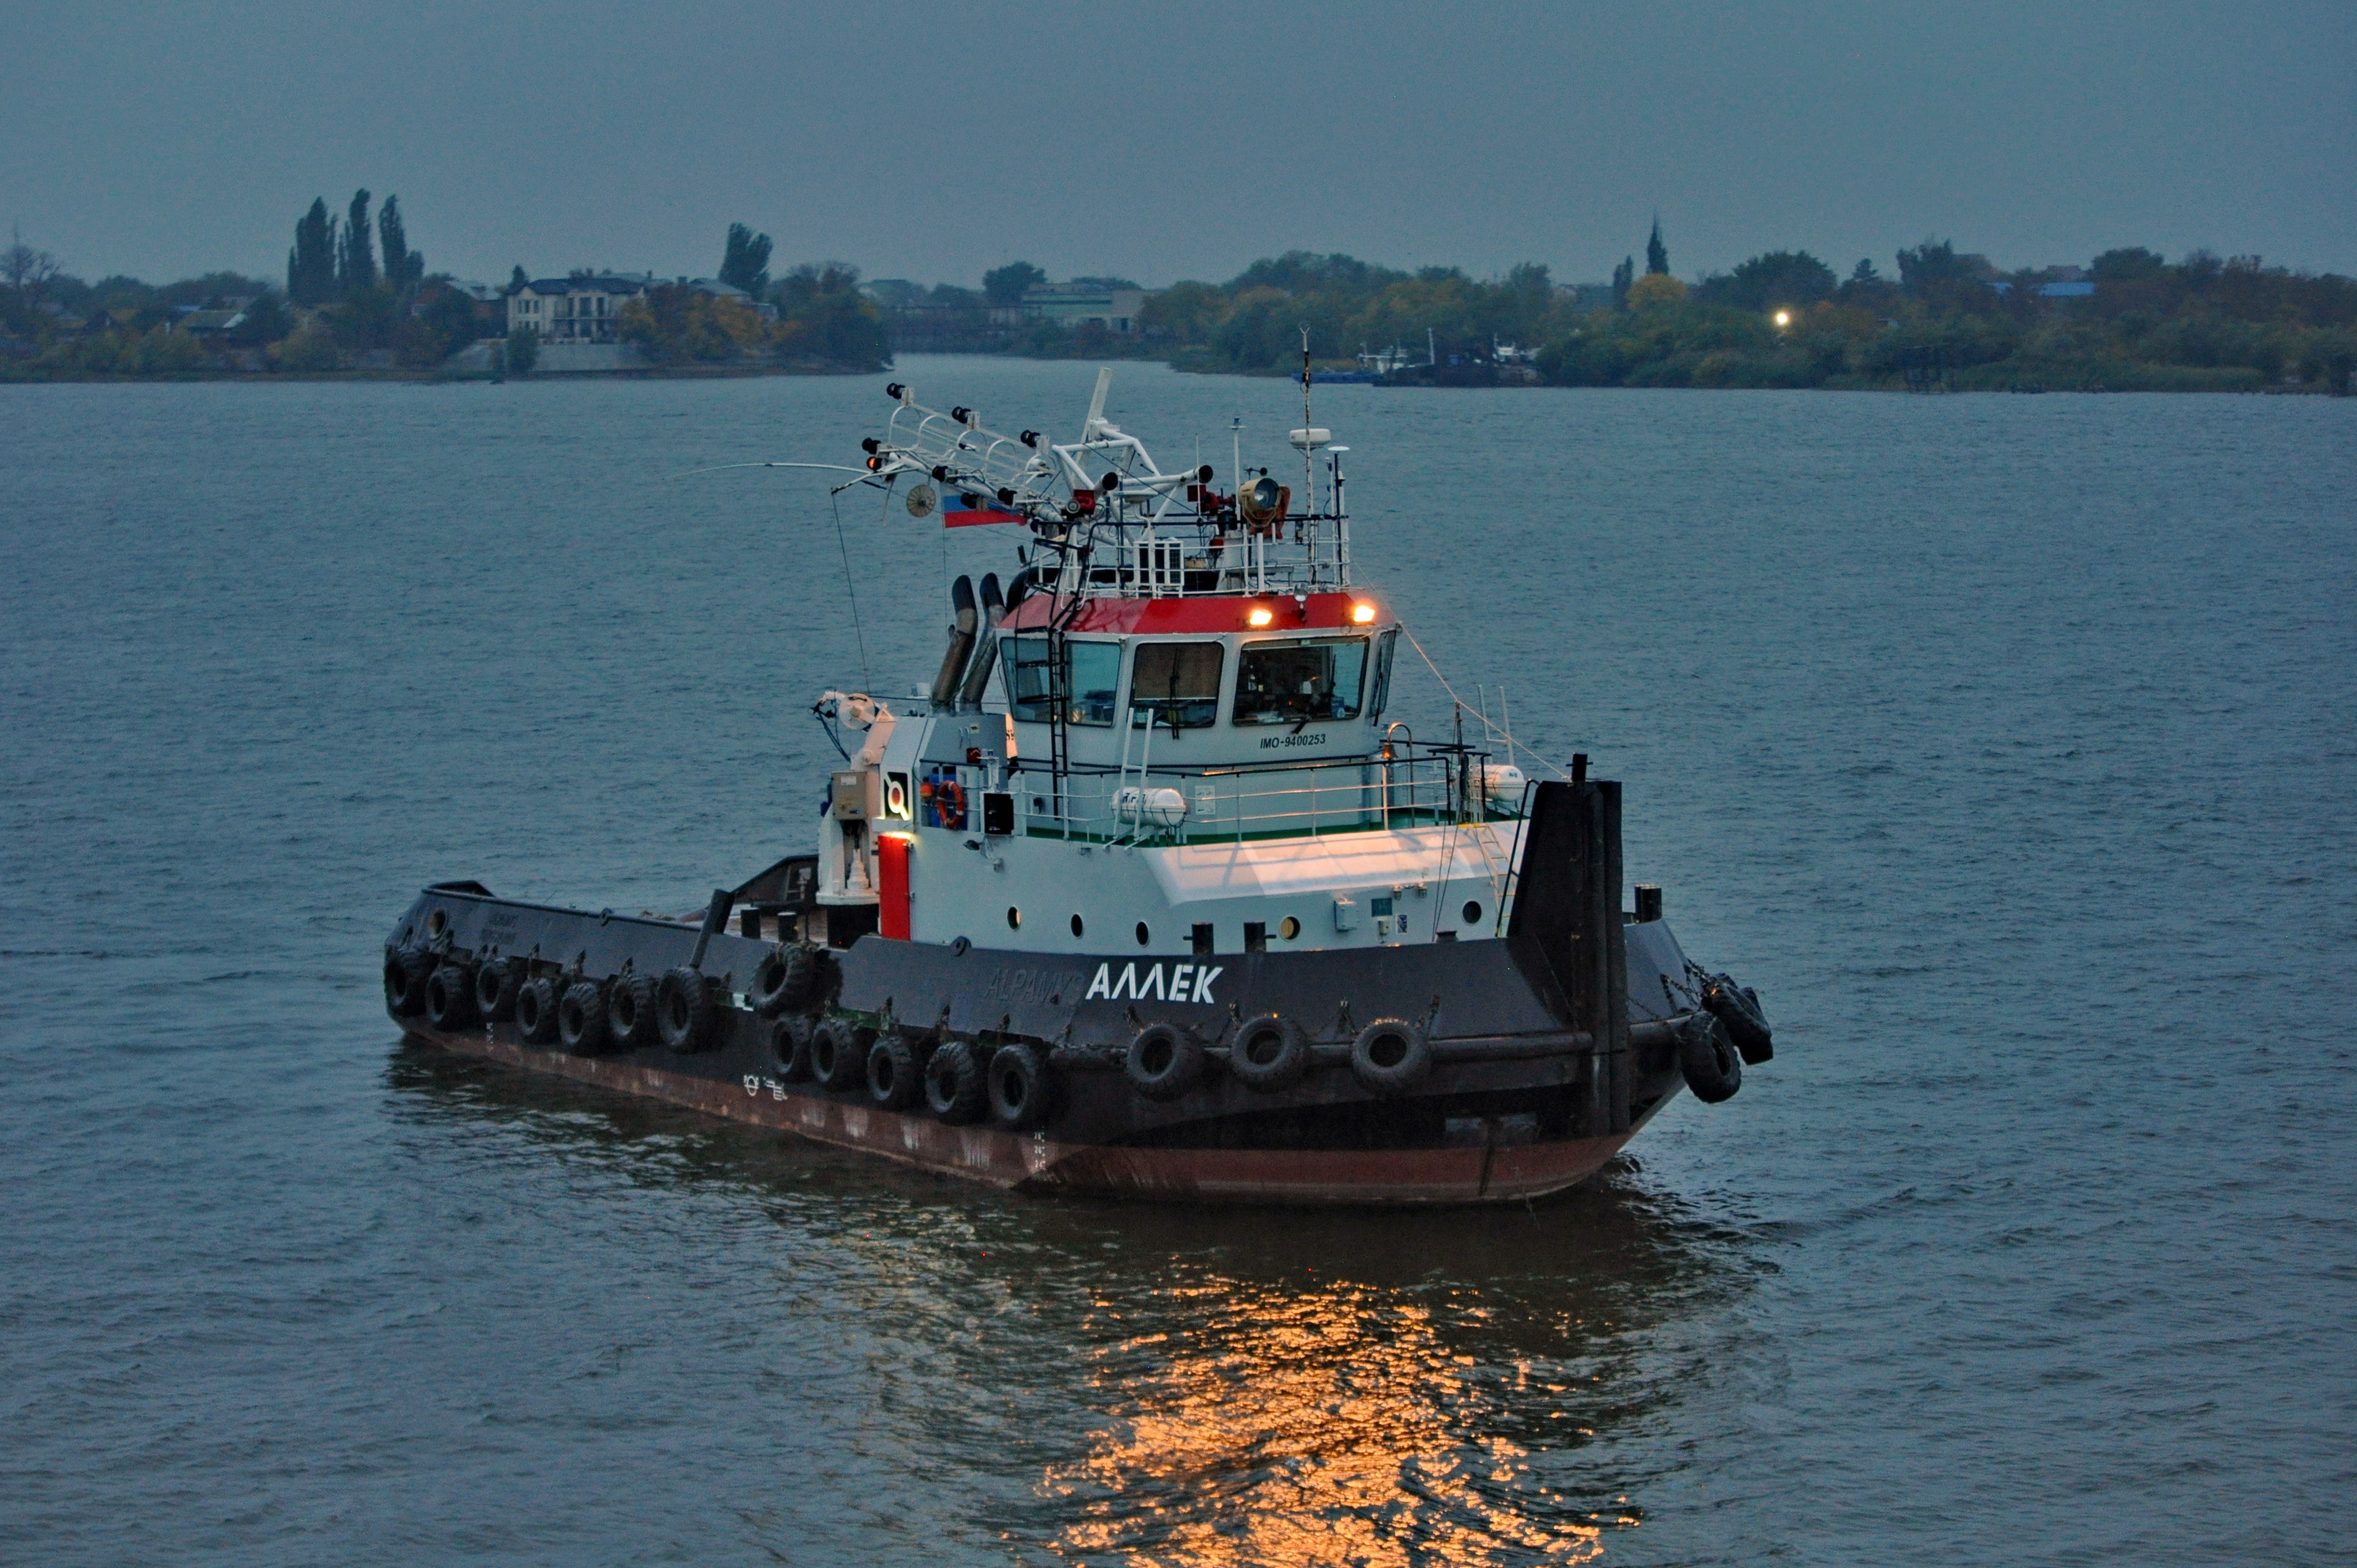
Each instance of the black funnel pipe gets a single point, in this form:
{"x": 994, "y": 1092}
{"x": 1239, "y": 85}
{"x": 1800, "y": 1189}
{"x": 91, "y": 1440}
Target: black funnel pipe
{"x": 986, "y": 658}
{"x": 1023, "y": 583}
{"x": 961, "y": 630}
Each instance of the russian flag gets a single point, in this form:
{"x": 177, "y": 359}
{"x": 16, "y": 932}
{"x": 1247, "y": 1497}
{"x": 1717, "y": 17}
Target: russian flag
{"x": 971, "y": 508}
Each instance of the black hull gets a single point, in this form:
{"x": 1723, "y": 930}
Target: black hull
{"x": 1544, "y": 1060}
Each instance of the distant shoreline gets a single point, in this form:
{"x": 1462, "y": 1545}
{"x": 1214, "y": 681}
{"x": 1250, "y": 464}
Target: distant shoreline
{"x": 1964, "y": 384}
{"x": 635, "y": 373}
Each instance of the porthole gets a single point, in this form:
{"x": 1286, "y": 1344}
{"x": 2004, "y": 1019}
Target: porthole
{"x": 1014, "y": 920}
{"x": 1288, "y": 927}
{"x": 1144, "y": 936}
{"x": 1076, "y": 925}
{"x": 1472, "y": 913}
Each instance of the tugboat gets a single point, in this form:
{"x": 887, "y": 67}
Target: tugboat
{"x": 1144, "y": 895}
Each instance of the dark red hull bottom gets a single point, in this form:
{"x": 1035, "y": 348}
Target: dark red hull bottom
{"x": 1035, "y": 1162}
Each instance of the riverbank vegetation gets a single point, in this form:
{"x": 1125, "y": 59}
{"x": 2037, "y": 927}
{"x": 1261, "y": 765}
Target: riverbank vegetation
{"x": 2130, "y": 320}
{"x": 357, "y": 300}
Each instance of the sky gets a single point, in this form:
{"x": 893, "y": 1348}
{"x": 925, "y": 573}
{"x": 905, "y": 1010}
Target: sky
{"x": 1180, "y": 140}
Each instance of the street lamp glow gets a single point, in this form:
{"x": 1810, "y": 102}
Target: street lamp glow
{"x": 1783, "y": 318}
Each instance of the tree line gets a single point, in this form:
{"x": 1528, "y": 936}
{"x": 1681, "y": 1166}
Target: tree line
{"x": 356, "y": 295}
{"x": 1784, "y": 319}
{"x": 2129, "y": 319}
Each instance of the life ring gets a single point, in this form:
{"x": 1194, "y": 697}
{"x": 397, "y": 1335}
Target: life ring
{"x": 1712, "y": 1066}
{"x": 1269, "y": 1052}
{"x": 953, "y": 1088}
{"x": 893, "y": 1081}
{"x": 496, "y": 984}
{"x": 1019, "y": 1088}
{"x": 684, "y": 1008}
{"x": 536, "y": 1011}
{"x": 450, "y": 998}
{"x": 837, "y": 1053}
{"x": 630, "y": 1011}
{"x": 1163, "y": 1061}
{"x": 1391, "y": 1055}
{"x": 581, "y": 1018}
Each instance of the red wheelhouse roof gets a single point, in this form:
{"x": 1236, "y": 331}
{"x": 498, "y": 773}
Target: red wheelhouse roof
{"x": 1173, "y": 616}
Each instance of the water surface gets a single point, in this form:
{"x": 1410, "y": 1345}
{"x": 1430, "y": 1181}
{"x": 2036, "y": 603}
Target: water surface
{"x": 2003, "y": 742}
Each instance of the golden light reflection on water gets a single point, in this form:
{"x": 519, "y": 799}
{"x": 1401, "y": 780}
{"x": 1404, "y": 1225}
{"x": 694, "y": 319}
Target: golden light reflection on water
{"x": 1328, "y": 1425}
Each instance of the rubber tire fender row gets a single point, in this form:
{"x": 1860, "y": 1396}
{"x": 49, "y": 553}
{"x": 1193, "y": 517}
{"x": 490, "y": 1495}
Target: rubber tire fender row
{"x": 953, "y": 1088}
{"x": 1269, "y": 1052}
{"x": 838, "y": 1056}
{"x": 630, "y": 1011}
{"x": 1709, "y": 1060}
{"x": 450, "y": 998}
{"x": 786, "y": 980}
{"x": 1391, "y": 1055}
{"x": 581, "y": 1019}
{"x": 790, "y": 1042}
{"x": 405, "y": 972}
{"x": 1020, "y": 1091}
{"x": 893, "y": 1081}
{"x": 496, "y": 985}
{"x": 1162, "y": 1062}
{"x": 536, "y": 1011}
{"x": 686, "y": 1006}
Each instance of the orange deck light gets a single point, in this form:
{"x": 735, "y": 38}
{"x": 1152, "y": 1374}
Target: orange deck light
{"x": 1361, "y": 613}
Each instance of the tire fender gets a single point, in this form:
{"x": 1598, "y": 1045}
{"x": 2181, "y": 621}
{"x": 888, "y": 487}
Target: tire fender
{"x": 1162, "y": 1062}
{"x": 684, "y": 1009}
{"x": 953, "y": 1088}
{"x": 1269, "y": 1052}
{"x": 1391, "y": 1055}
{"x": 1712, "y": 1066}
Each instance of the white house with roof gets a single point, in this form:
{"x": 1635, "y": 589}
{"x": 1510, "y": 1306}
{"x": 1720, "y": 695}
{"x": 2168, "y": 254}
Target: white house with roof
{"x": 586, "y": 309}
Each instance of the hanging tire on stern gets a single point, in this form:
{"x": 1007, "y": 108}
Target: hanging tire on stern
{"x": 1713, "y": 1068}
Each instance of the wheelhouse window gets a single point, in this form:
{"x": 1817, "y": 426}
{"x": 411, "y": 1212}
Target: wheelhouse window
{"x": 1091, "y": 679}
{"x": 1379, "y": 697}
{"x": 1293, "y": 682}
{"x": 1175, "y": 684}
